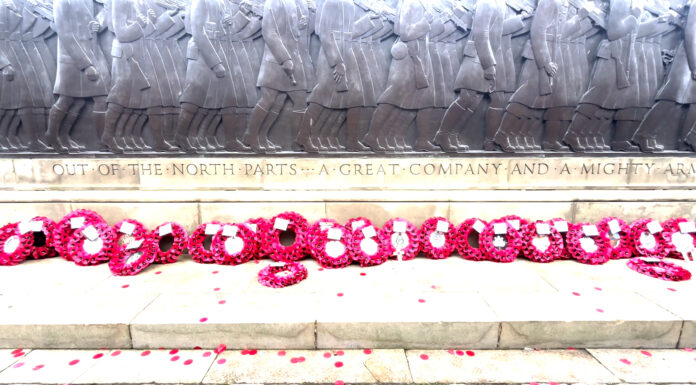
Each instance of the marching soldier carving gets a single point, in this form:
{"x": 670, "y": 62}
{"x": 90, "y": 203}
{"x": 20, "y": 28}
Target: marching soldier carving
{"x": 82, "y": 70}
{"x": 550, "y": 78}
{"x": 286, "y": 69}
{"x": 28, "y": 73}
{"x": 345, "y": 80}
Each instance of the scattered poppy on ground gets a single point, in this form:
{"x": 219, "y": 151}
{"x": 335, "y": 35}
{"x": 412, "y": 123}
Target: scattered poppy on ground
{"x": 647, "y": 353}
{"x": 145, "y": 353}
{"x": 367, "y": 351}
{"x": 424, "y": 356}
{"x": 206, "y": 354}
{"x": 339, "y": 353}
{"x": 125, "y": 286}
{"x": 37, "y": 367}
{"x": 174, "y": 351}
{"x": 73, "y": 362}
{"x": 203, "y": 319}
{"x": 460, "y": 353}
{"x": 338, "y": 364}
{"x": 363, "y": 274}
{"x": 598, "y": 288}
{"x": 175, "y": 358}
{"x": 575, "y": 293}
{"x": 625, "y": 361}
{"x": 221, "y": 361}
{"x": 188, "y": 362}
{"x": 470, "y": 353}
{"x": 216, "y": 289}
{"x": 600, "y": 310}
{"x": 222, "y": 302}
{"x": 215, "y": 272}
{"x": 221, "y": 348}
{"x": 339, "y": 382}
{"x": 671, "y": 289}
{"x": 421, "y": 300}
{"x": 98, "y": 356}
{"x": 18, "y": 365}
{"x": 327, "y": 355}
{"x": 116, "y": 353}
{"x": 340, "y": 294}
{"x": 281, "y": 353}
{"x": 158, "y": 272}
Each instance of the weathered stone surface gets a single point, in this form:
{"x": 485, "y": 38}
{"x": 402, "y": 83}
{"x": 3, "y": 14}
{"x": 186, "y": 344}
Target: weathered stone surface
{"x": 17, "y": 212}
{"x": 459, "y": 212}
{"x": 314, "y": 366}
{"x": 147, "y": 367}
{"x": 51, "y": 366}
{"x": 677, "y": 299}
{"x": 379, "y": 213}
{"x": 271, "y": 321}
{"x": 427, "y": 320}
{"x": 50, "y": 276}
{"x": 239, "y": 212}
{"x": 506, "y": 366}
{"x": 150, "y": 214}
{"x": 630, "y": 211}
{"x": 650, "y": 365}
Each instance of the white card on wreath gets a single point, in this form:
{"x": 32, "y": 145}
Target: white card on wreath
{"x": 369, "y": 232}
{"x": 590, "y": 230}
{"x": 90, "y": 233}
{"x": 687, "y": 227}
{"x": 165, "y": 229}
{"x": 252, "y": 226}
{"x": 500, "y": 228}
{"x": 357, "y": 224}
{"x": 515, "y": 223}
{"x": 335, "y": 234}
{"x": 654, "y": 227}
{"x": 212, "y": 228}
{"x": 281, "y": 224}
{"x": 134, "y": 244}
{"x": 230, "y": 231}
{"x": 442, "y": 227}
{"x": 24, "y": 227}
{"x": 399, "y": 226}
{"x": 478, "y": 226}
{"x": 277, "y": 264}
{"x": 127, "y": 228}
{"x": 323, "y": 226}
{"x": 614, "y": 226}
{"x": 543, "y": 228}
{"x": 561, "y": 226}
{"x": 77, "y": 222}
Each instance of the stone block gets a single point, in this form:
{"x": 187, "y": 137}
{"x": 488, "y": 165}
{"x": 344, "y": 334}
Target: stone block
{"x": 459, "y": 212}
{"x": 239, "y": 212}
{"x": 649, "y": 365}
{"x": 379, "y": 213}
{"x": 630, "y": 211}
{"x": 51, "y": 366}
{"x": 17, "y": 212}
{"x": 151, "y": 214}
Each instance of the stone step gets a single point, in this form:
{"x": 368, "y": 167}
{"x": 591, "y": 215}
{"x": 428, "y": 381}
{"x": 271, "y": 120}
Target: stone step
{"x": 419, "y": 304}
{"x": 337, "y": 367}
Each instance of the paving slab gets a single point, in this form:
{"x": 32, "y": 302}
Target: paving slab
{"x": 73, "y": 321}
{"x": 677, "y": 300}
{"x": 52, "y": 274}
{"x": 51, "y": 366}
{"x": 572, "y": 319}
{"x": 649, "y": 365}
{"x": 506, "y": 366}
{"x": 269, "y": 321}
{"x": 9, "y": 356}
{"x": 411, "y": 320}
{"x": 149, "y": 367}
{"x": 313, "y": 367}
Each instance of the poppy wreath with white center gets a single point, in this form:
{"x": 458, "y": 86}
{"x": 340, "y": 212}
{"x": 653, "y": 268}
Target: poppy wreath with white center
{"x": 298, "y": 249}
{"x": 132, "y": 261}
{"x": 259, "y": 226}
{"x": 390, "y": 240}
{"x": 42, "y": 241}
{"x": 332, "y": 253}
{"x": 429, "y": 229}
{"x": 356, "y": 223}
{"x": 639, "y": 229}
{"x": 565, "y": 254}
{"x": 513, "y": 242}
{"x": 661, "y": 269}
{"x": 196, "y": 244}
{"x": 622, "y": 249}
{"x": 64, "y": 231}
{"x": 671, "y": 231}
{"x": 576, "y": 250}
{"x": 179, "y": 243}
{"x": 123, "y": 239}
{"x": 77, "y": 243}
{"x": 282, "y": 276}
{"x": 14, "y": 247}
{"x": 221, "y": 247}
{"x": 464, "y": 246}
{"x": 315, "y": 230}
{"x": 553, "y": 252}
{"x": 359, "y": 247}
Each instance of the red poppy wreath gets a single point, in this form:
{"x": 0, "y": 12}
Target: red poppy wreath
{"x": 541, "y": 242}
{"x": 658, "y": 268}
{"x": 288, "y": 237}
{"x": 366, "y": 248}
{"x": 127, "y": 231}
{"x": 234, "y": 244}
{"x": 70, "y": 224}
{"x": 562, "y": 226}
{"x": 41, "y": 230}
{"x": 500, "y": 241}
{"x": 399, "y": 239}
{"x": 282, "y": 275}
{"x": 354, "y": 224}
{"x": 92, "y": 244}
{"x": 617, "y": 232}
{"x": 331, "y": 246}
{"x": 15, "y": 247}
{"x": 646, "y": 239}
{"x": 680, "y": 238}
{"x": 201, "y": 241}
{"x": 438, "y": 238}
{"x": 588, "y": 244}
{"x": 170, "y": 240}
{"x": 315, "y": 230}
{"x": 133, "y": 257}
{"x": 261, "y": 228}
{"x": 469, "y": 239}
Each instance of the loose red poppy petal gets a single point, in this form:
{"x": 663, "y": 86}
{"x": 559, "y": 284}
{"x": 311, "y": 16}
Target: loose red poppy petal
{"x": 221, "y": 348}
{"x": 647, "y": 353}
{"x": 175, "y": 358}
{"x": 145, "y": 353}
{"x": 73, "y": 362}
{"x": 470, "y": 353}
{"x": 98, "y": 356}
{"x": 338, "y": 364}
{"x": 367, "y": 351}
{"x": 424, "y": 356}
{"x": 625, "y": 361}
{"x": 188, "y": 362}
{"x": 221, "y": 361}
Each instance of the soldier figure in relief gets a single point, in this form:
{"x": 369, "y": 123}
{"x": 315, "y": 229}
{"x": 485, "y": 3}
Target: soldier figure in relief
{"x": 286, "y": 69}
{"x": 83, "y": 72}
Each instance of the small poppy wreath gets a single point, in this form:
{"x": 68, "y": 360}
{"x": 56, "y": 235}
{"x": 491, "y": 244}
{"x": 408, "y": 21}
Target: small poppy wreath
{"x": 288, "y": 274}
{"x": 438, "y": 238}
{"x": 86, "y": 252}
{"x": 196, "y": 242}
{"x": 42, "y": 240}
{"x": 562, "y": 226}
{"x": 467, "y": 230}
{"x": 234, "y": 244}
{"x": 660, "y": 269}
{"x": 503, "y": 247}
{"x": 14, "y": 246}
{"x": 679, "y": 237}
{"x": 68, "y": 225}
{"x": 619, "y": 245}
{"x": 179, "y": 242}
{"x": 260, "y": 227}
{"x": 403, "y": 244}
{"x": 366, "y": 248}
{"x": 541, "y": 242}
{"x": 293, "y": 222}
{"x": 315, "y": 230}
{"x": 645, "y": 243}
{"x": 331, "y": 247}
{"x": 589, "y": 249}
{"x": 354, "y": 224}
{"x": 131, "y": 261}
{"x": 127, "y": 231}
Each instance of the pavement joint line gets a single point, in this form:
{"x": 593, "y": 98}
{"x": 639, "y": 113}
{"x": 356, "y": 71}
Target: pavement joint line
{"x": 604, "y": 366}
{"x": 408, "y": 365}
